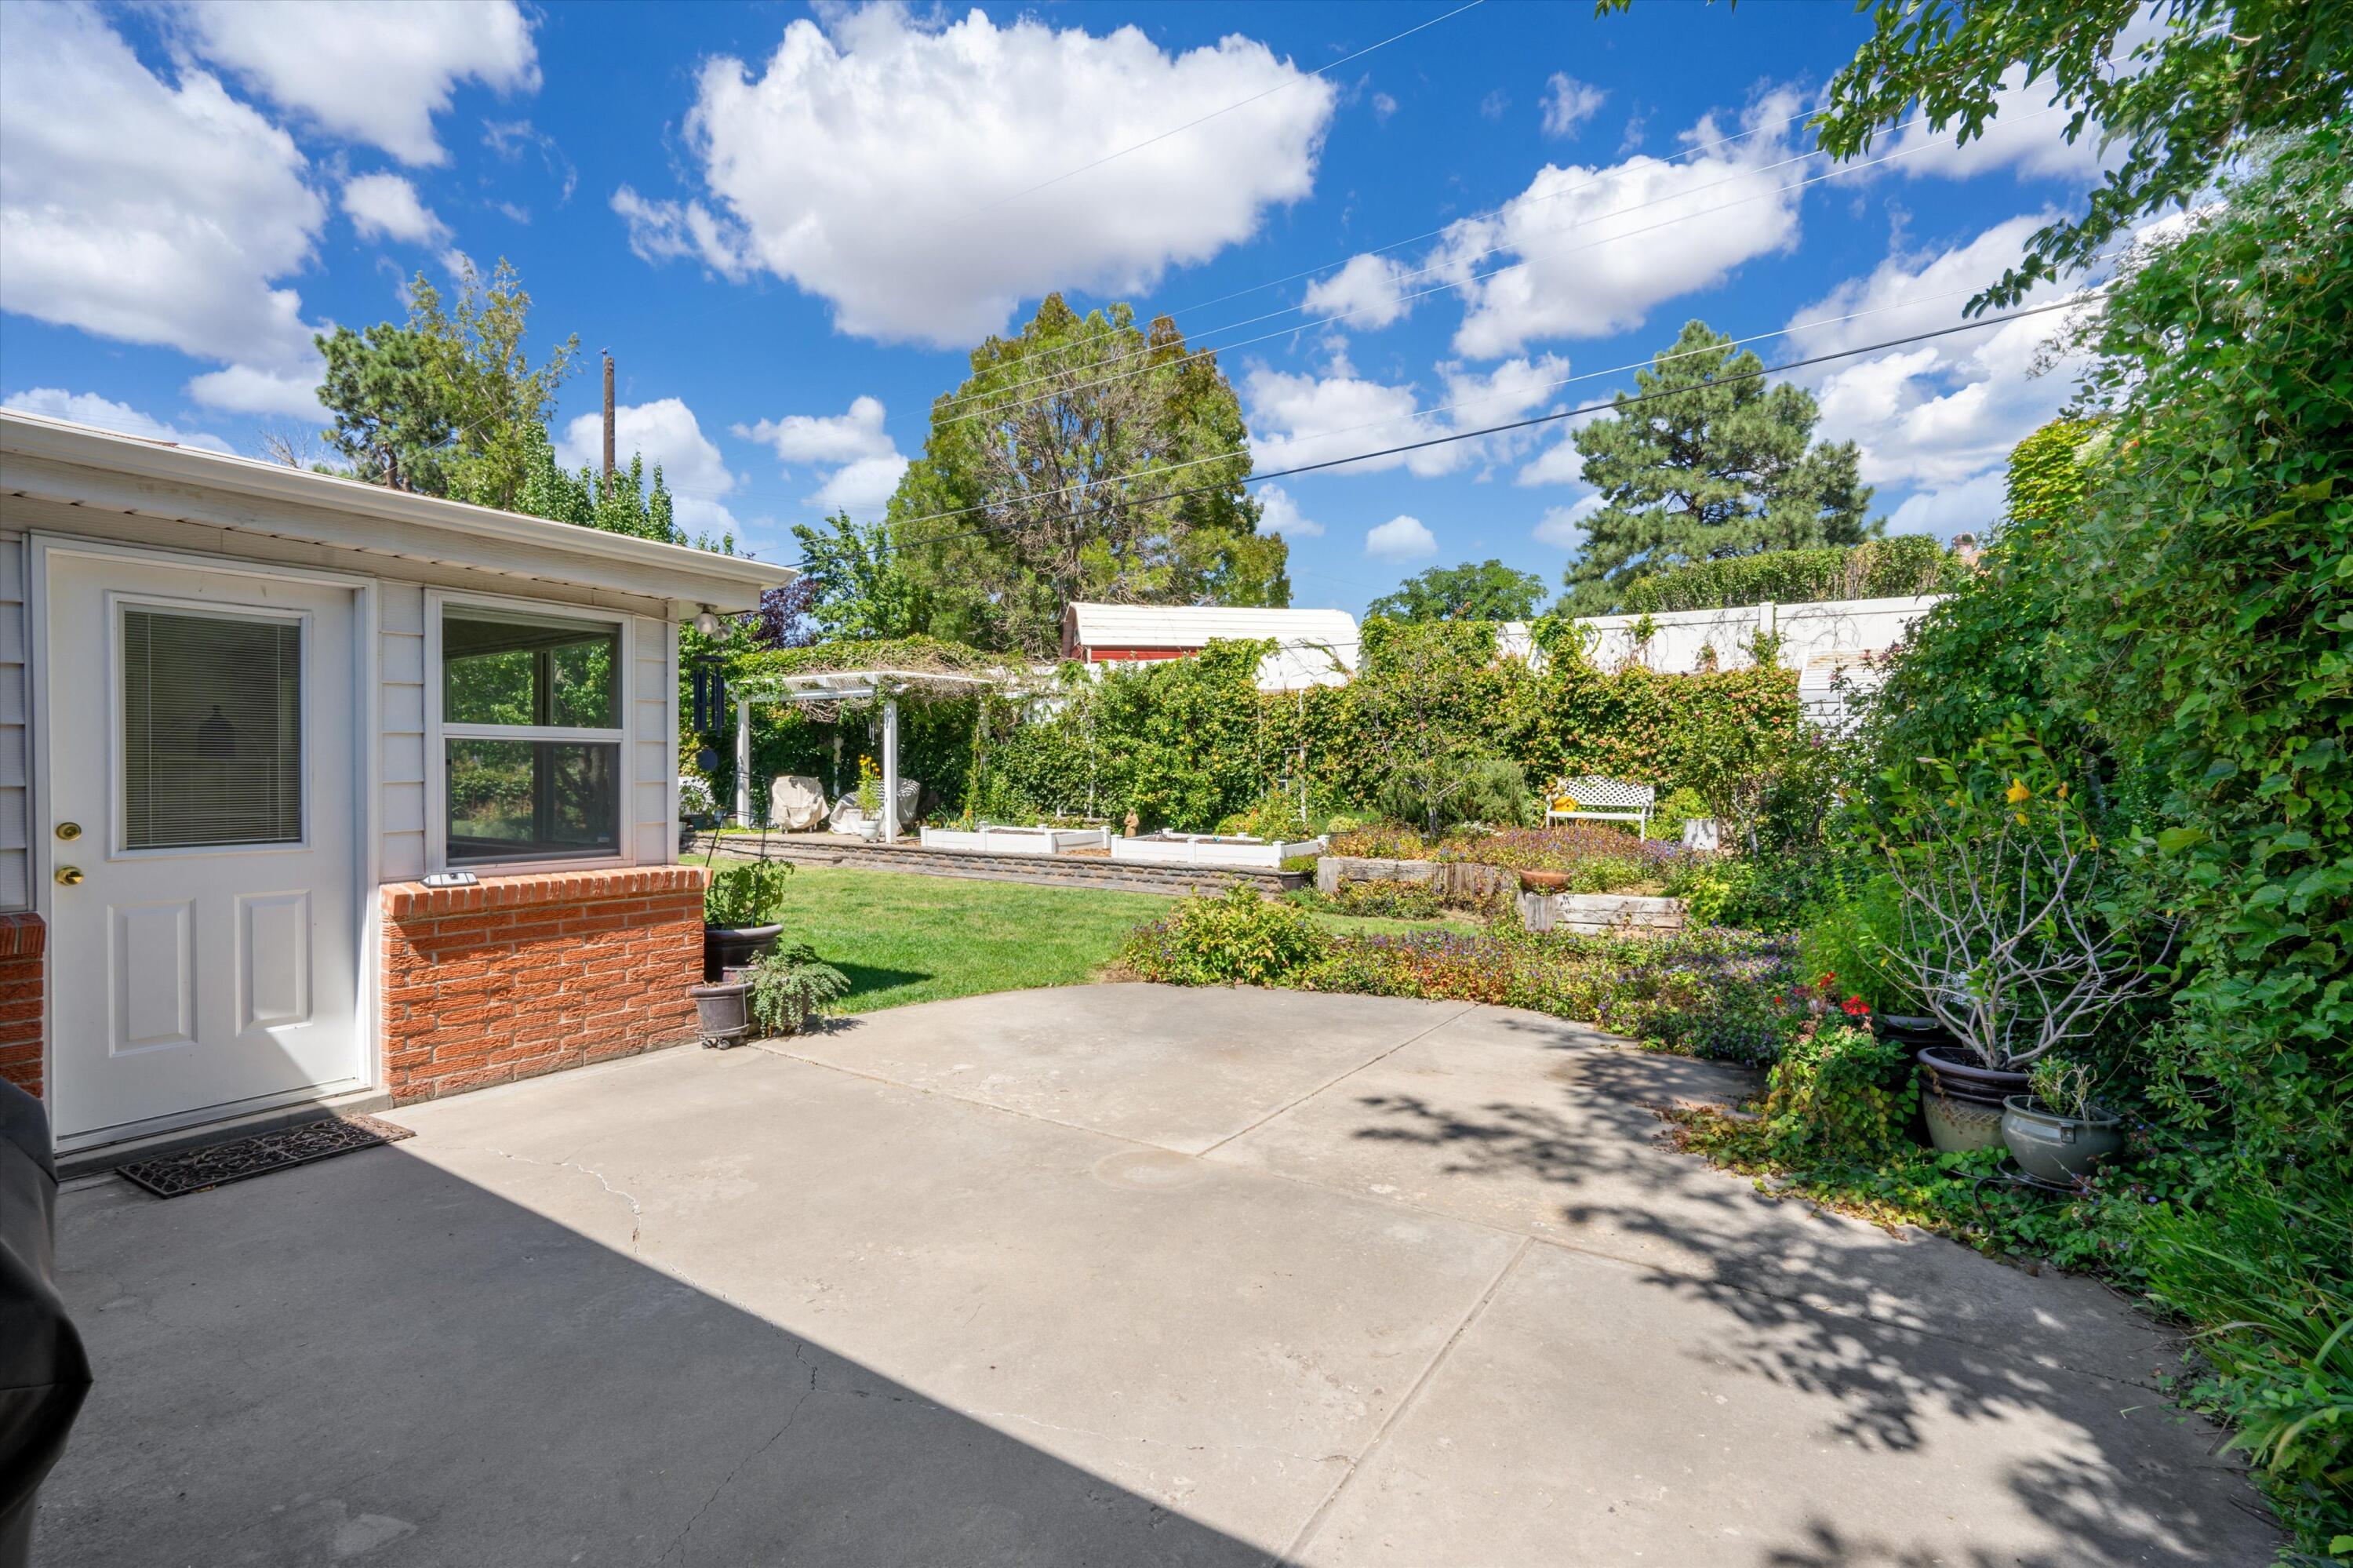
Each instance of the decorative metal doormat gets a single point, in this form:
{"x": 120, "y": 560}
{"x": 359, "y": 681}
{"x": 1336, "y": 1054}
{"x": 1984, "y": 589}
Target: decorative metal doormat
{"x": 261, "y": 1153}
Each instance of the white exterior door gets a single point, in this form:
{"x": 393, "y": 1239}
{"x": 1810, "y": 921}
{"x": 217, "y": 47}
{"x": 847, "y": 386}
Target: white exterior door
{"x": 203, "y": 781}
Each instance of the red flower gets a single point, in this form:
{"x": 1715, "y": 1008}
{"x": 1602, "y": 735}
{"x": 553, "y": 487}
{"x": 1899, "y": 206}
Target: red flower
{"x": 1856, "y": 1007}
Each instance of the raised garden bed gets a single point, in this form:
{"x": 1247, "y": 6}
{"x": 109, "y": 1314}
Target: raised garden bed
{"x": 989, "y": 840}
{"x": 1209, "y": 849}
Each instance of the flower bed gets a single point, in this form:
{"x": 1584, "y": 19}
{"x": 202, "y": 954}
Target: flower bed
{"x": 1714, "y": 994}
{"x": 1597, "y": 858}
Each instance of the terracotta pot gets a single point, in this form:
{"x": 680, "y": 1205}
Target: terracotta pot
{"x": 1542, "y": 881}
{"x": 732, "y": 947}
{"x": 1962, "y": 1101}
{"x": 2057, "y": 1147}
{"x": 723, "y": 1013}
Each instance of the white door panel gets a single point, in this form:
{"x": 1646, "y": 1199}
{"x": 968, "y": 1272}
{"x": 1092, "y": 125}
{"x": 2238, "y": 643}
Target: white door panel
{"x": 203, "y": 741}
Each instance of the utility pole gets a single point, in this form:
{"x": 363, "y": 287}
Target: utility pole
{"x": 609, "y": 414}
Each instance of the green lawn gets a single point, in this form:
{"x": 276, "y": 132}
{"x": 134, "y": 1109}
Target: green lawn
{"x": 903, "y": 938}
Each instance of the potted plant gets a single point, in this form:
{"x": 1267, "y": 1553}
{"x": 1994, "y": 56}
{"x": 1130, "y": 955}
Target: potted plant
{"x": 741, "y": 911}
{"x": 2008, "y": 931}
{"x": 2058, "y": 1133}
{"x": 722, "y": 1016}
{"x": 789, "y": 985}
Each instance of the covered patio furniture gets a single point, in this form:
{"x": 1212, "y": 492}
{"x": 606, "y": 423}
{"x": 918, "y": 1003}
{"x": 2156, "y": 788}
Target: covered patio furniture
{"x": 796, "y": 802}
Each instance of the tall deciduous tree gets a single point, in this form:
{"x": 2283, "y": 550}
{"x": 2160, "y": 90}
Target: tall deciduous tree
{"x": 1086, "y": 458}
{"x": 1489, "y": 590}
{"x": 1711, "y": 466}
{"x": 450, "y": 403}
{"x": 858, "y": 586}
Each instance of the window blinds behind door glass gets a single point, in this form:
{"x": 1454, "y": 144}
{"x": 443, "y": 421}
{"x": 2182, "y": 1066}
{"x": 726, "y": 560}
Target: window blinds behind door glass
{"x": 212, "y": 730}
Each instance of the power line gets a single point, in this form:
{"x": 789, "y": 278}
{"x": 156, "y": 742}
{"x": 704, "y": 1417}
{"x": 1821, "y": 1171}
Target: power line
{"x": 1617, "y": 402}
{"x": 1479, "y": 216}
{"x": 1452, "y": 285}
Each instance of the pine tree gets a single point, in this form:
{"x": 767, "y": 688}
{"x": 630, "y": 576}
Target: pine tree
{"x": 1718, "y": 467}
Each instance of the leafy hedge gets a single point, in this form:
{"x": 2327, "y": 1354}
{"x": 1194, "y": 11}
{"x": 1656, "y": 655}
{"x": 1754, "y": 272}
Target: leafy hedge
{"x": 1877, "y": 568}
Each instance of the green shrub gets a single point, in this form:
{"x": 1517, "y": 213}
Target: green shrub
{"x": 1839, "y": 1092}
{"x": 1894, "y": 567}
{"x": 1393, "y": 899}
{"x": 1239, "y": 938}
{"x": 2266, "y": 1276}
{"x": 751, "y": 893}
{"x": 790, "y": 985}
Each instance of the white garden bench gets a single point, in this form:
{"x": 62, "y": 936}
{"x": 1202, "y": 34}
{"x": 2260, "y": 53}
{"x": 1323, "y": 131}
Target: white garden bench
{"x": 1601, "y": 800}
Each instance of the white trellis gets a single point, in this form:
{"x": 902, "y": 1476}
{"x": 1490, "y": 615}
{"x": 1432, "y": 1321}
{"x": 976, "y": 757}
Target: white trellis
{"x": 842, "y": 686}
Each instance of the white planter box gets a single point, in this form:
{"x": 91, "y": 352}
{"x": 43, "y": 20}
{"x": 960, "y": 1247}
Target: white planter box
{"x": 1208, "y": 849}
{"x": 1014, "y": 840}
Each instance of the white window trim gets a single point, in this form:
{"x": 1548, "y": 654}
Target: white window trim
{"x": 437, "y": 735}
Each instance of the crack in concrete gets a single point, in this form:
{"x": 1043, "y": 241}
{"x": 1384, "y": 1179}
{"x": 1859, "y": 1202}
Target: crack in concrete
{"x": 678, "y": 1543}
{"x": 637, "y": 1212}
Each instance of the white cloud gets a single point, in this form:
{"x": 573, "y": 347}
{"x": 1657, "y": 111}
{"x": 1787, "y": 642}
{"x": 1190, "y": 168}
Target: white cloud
{"x": 2021, "y": 136}
{"x": 1493, "y": 105}
{"x": 827, "y": 439}
{"x": 1298, "y": 418}
{"x": 1569, "y": 103}
{"x": 386, "y": 207}
{"x": 244, "y": 389}
{"x": 866, "y": 461}
{"x": 1563, "y": 527}
{"x": 1401, "y": 538}
{"x": 1598, "y": 247}
{"x": 1972, "y": 506}
{"x": 1280, "y": 514}
{"x": 148, "y": 213}
{"x": 1383, "y": 107}
{"x": 1946, "y": 412}
{"x": 866, "y": 163}
{"x": 665, "y": 433}
{"x": 1560, "y": 463}
{"x": 90, "y": 409}
{"x": 1368, "y": 293}
{"x": 370, "y": 73}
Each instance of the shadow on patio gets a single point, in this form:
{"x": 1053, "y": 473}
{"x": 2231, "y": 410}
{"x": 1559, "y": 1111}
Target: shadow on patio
{"x": 373, "y": 1359}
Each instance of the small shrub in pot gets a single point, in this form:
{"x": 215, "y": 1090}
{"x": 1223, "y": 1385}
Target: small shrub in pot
{"x": 2058, "y": 1133}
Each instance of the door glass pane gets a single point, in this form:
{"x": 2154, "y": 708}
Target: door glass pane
{"x": 212, "y": 730}
{"x": 501, "y": 668}
{"x": 533, "y": 799}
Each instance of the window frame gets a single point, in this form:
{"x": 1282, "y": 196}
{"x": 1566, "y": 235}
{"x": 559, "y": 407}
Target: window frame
{"x": 439, "y": 733}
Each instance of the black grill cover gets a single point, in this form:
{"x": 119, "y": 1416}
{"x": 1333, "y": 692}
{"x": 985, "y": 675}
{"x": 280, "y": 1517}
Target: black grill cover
{"x": 43, "y": 1372}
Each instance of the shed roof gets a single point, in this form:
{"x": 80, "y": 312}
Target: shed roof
{"x": 1195, "y": 625}
{"x": 56, "y": 459}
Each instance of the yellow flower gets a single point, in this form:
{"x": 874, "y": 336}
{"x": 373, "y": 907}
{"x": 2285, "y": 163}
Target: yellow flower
{"x": 2018, "y": 792}
{"x": 2095, "y": 843}
{"x": 2063, "y": 792}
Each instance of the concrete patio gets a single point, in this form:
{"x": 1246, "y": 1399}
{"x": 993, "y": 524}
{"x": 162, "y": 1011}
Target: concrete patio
{"x": 1112, "y": 1275}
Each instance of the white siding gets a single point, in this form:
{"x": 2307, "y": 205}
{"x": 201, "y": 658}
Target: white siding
{"x": 653, "y": 740}
{"x": 16, "y": 799}
{"x": 1809, "y": 632}
{"x": 401, "y": 670}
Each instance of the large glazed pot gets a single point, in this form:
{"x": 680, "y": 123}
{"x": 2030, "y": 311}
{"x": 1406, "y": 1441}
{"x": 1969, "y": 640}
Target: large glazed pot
{"x": 1962, "y": 1101}
{"x": 2057, "y": 1147}
{"x": 728, "y": 948}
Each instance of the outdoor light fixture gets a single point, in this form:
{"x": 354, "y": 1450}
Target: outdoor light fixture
{"x": 706, "y": 621}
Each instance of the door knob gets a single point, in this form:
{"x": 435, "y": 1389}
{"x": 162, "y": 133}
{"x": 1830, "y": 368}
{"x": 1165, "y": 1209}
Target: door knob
{"x": 69, "y": 877}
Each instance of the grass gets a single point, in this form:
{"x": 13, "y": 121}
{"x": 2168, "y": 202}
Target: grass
{"x": 904, "y": 938}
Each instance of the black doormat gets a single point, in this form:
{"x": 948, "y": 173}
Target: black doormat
{"x": 238, "y": 1157}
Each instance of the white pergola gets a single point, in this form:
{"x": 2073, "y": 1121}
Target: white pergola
{"x": 842, "y": 686}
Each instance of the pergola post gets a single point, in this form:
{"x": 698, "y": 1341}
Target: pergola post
{"x": 889, "y": 769}
{"x": 744, "y": 763}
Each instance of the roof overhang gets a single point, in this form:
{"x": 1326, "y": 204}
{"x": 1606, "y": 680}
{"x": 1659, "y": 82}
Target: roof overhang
{"x": 76, "y": 465}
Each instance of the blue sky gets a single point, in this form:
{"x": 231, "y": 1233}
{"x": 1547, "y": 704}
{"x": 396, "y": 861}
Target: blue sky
{"x": 782, "y": 222}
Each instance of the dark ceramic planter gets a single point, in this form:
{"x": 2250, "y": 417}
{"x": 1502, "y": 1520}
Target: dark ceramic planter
{"x": 723, "y": 1013}
{"x": 728, "y": 948}
{"x": 2056, "y": 1147}
{"x": 1963, "y": 1102}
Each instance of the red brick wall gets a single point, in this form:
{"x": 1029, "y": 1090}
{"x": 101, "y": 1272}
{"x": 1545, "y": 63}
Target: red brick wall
{"x": 24, "y": 943}
{"x": 523, "y": 975}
